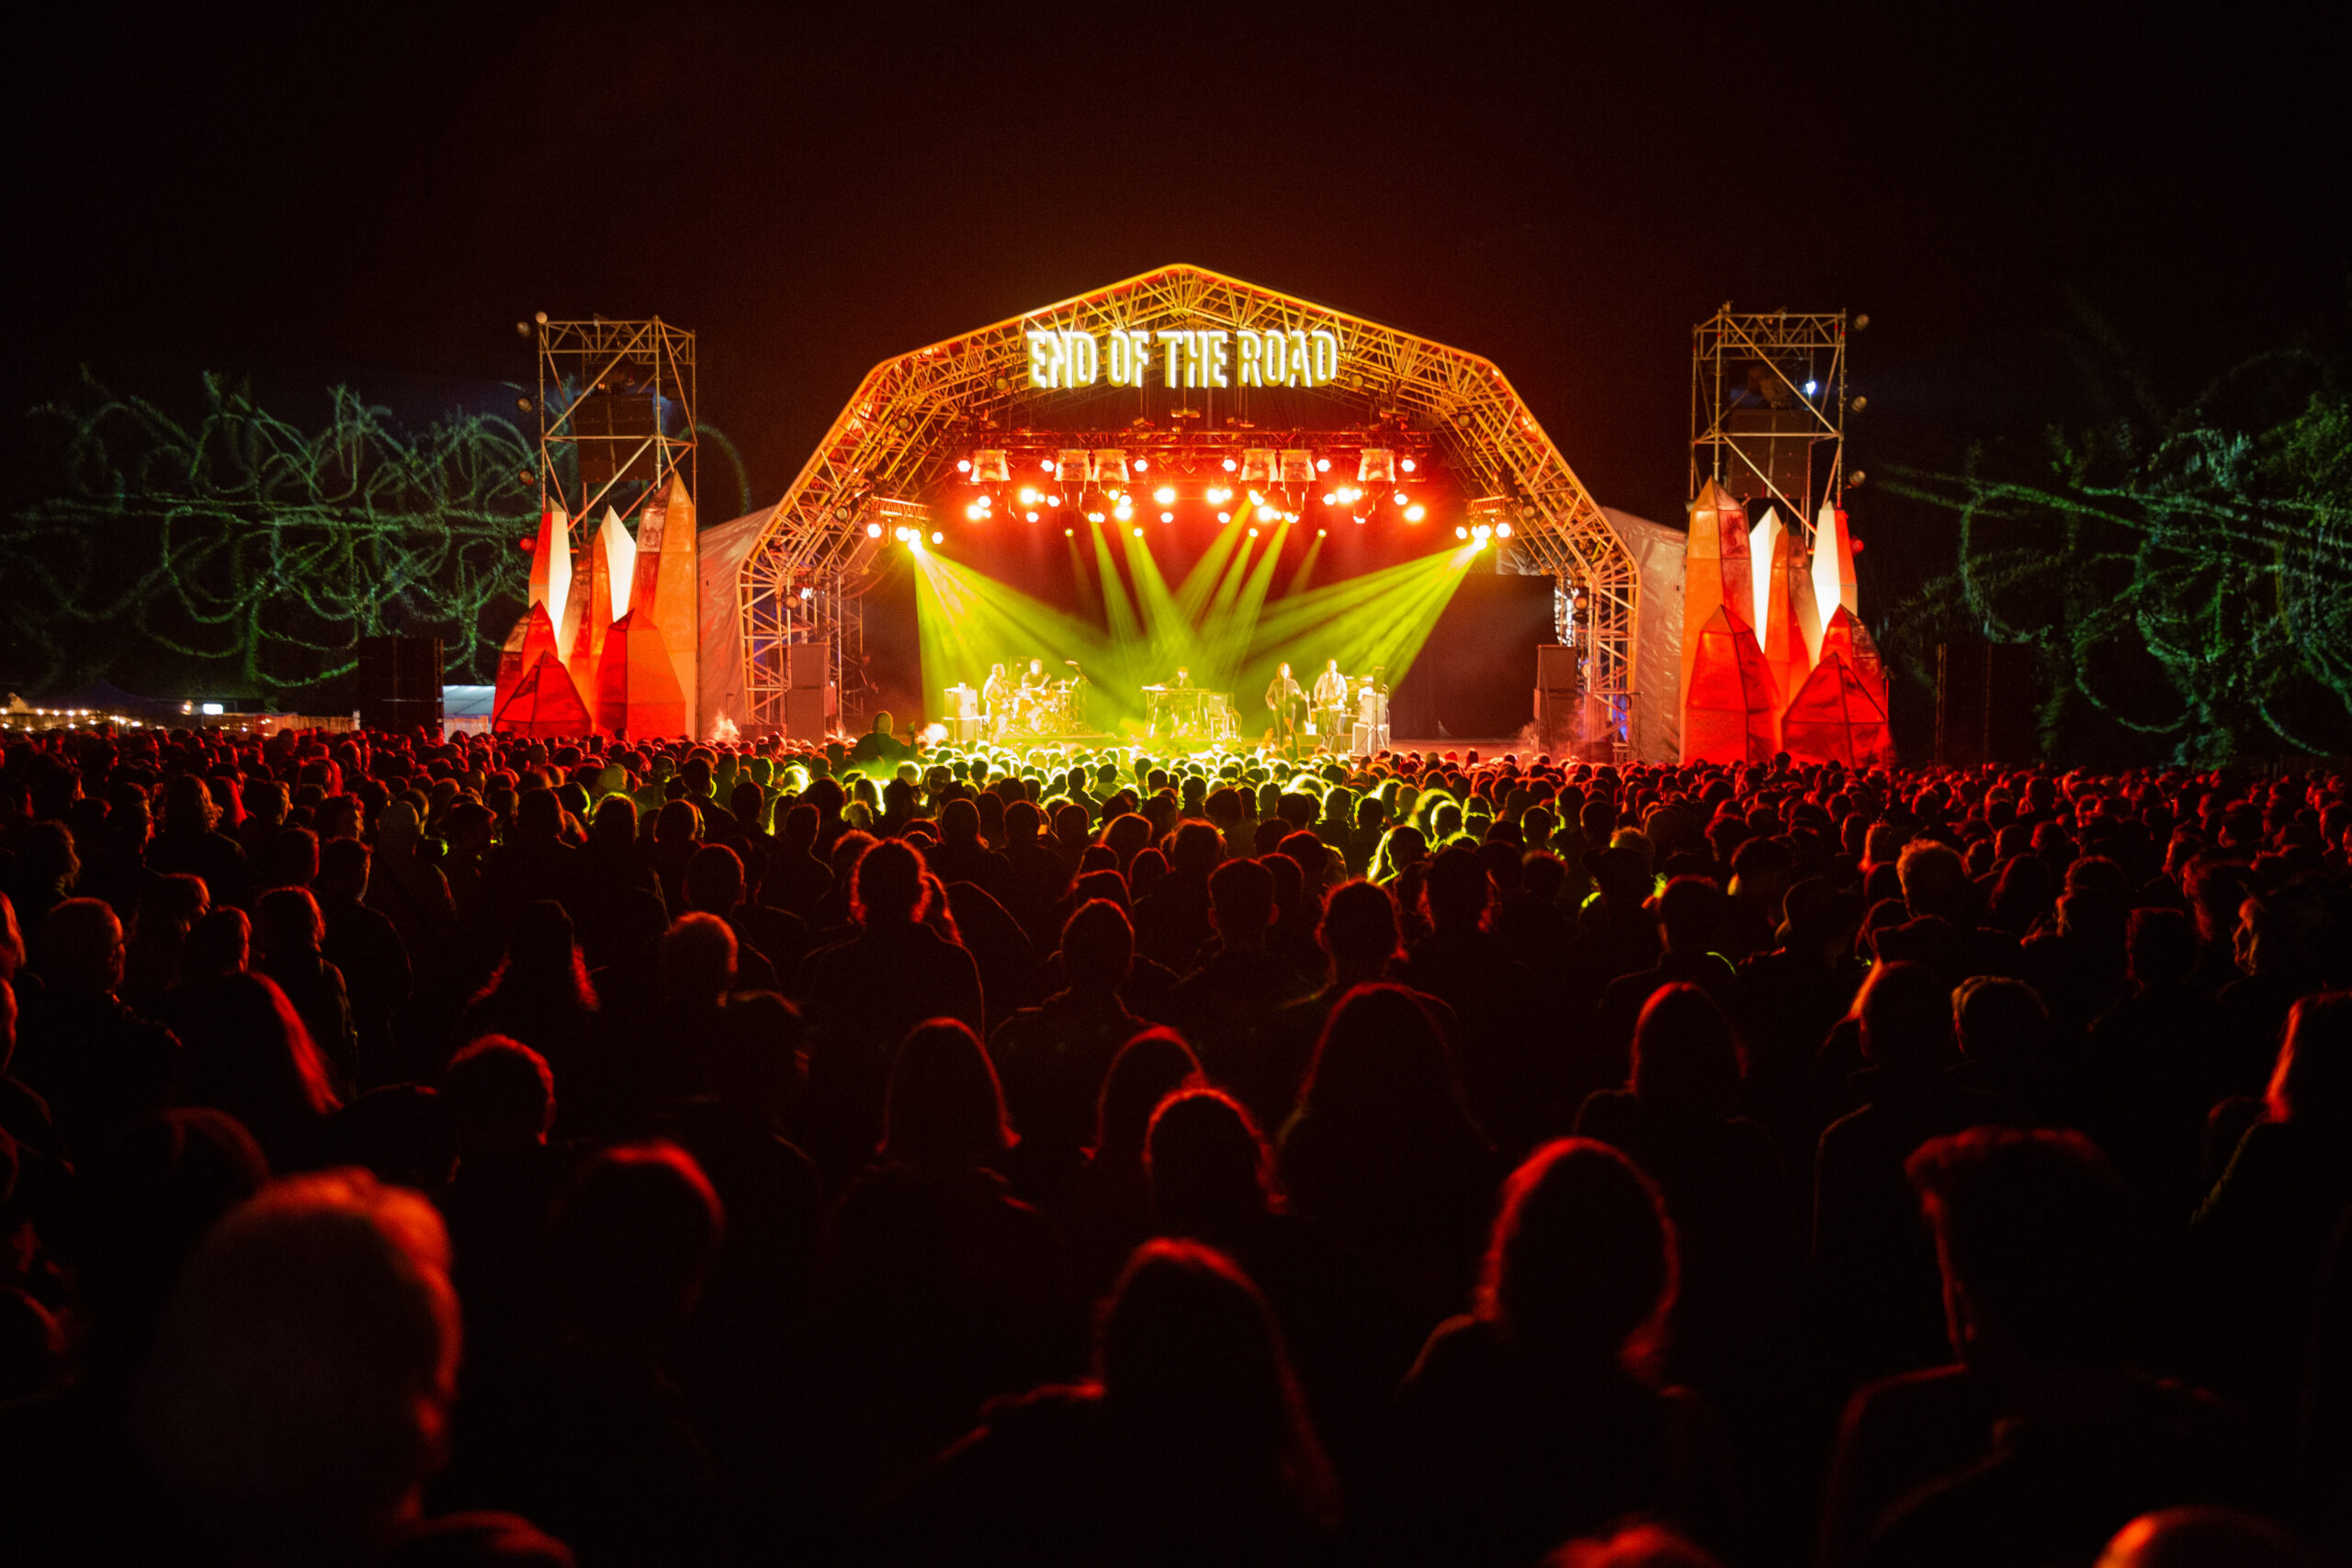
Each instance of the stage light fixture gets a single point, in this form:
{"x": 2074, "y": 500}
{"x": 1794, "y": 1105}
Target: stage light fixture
{"x": 1069, "y": 533}
{"x": 1143, "y": 465}
{"x": 523, "y": 405}
{"x": 1094, "y": 517}
{"x": 1322, "y": 465}
{"x": 1030, "y": 515}
{"x": 1377, "y": 465}
{"x": 1398, "y": 499}
{"x": 1329, "y": 499}
{"x": 1406, "y": 465}
{"x": 1460, "y": 532}
{"x": 1122, "y": 512}
{"x": 1322, "y": 533}
{"x": 1047, "y": 464}
{"x": 990, "y": 468}
{"x": 1168, "y": 517}
{"x": 1074, "y": 466}
{"x": 541, "y": 317}
{"x": 1052, "y": 501}
{"x": 1414, "y": 513}
{"x": 1165, "y": 494}
{"x": 1258, "y": 463}
{"x": 1298, "y": 466}
{"x": 937, "y": 538}
{"x": 1225, "y": 516}
{"x": 963, "y": 465}
{"x": 1138, "y": 533}
{"x": 1253, "y": 532}
{"x": 874, "y": 530}
{"x": 522, "y": 329}
{"x": 1502, "y": 530}
{"x": 1230, "y": 465}
{"x": 808, "y": 593}
{"x": 1854, "y": 480}
{"x": 1268, "y": 514}
{"x": 1859, "y": 404}
{"x": 1481, "y": 532}
{"x": 1811, "y": 387}
{"x": 1110, "y": 465}
{"x": 1028, "y": 496}
{"x": 971, "y": 513}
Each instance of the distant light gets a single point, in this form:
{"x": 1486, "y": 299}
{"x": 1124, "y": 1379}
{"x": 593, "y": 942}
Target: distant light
{"x": 874, "y": 530}
{"x": 1069, "y": 533}
{"x": 1322, "y": 533}
{"x": 1268, "y": 514}
{"x": 215, "y": 709}
{"x": 1143, "y": 465}
{"x": 1138, "y": 533}
{"x": 1094, "y": 517}
{"x": 1253, "y": 532}
{"x": 1399, "y": 498}
{"x": 808, "y": 593}
{"x": 1811, "y": 387}
{"x": 1028, "y": 496}
{"x": 1329, "y": 499}
{"x": 1406, "y": 465}
{"x": 1225, "y": 516}
{"x": 1030, "y": 515}
{"x": 1122, "y": 512}
{"x": 1047, "y": 464}
{"x": 1460, "y": 532}
{"x": 939, "y": 539}
{"x": 1230, "y": 465}
{"x": 1322, "y": 465}
{"x": 1168, "y": 517}
{"x": 963, "y": 465}
{"x": 1164, "y": 494}
{"x": 1415, "y": 513}
{"x": 1502, "y": 530}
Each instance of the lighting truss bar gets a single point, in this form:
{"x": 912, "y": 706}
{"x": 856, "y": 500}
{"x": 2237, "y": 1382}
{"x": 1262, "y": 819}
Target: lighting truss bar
{"x": 1734, "y": 434}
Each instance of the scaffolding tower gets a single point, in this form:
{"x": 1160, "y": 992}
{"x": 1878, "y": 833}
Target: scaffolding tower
{"x": 1768, "y": 410}
{"x": 616, "y": 413}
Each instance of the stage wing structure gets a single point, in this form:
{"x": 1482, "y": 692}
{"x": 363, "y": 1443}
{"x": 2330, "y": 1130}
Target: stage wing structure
{"x": 914, "y": 415}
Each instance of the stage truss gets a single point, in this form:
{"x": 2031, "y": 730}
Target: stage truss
{"x": 1755, "y": 429}
{"x": 914, "y": 415}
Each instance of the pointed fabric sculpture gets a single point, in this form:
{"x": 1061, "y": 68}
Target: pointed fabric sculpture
{"x": 621, "y": 565}
{"x": 1802, "y": 606}
{"x": 1785, "y": 655}
{"x": 532, "y": 635}
{"x": 675, "y": 604}
{"x": 551, "y": 567}
{"x": 1850, "y": 640}
{"x": 1715, "y": 517}
{"x": 637, "y": 689}
{"x": 544, "y": 704}
{"x": 1727, "y": 711}
{"x": 586, "y": 646}
{"x": 1833, "y": 563}
{"x": 1836, "y": 719}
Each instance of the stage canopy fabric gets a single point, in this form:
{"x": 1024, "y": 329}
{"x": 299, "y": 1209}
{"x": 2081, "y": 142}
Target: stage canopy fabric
{"x": 1658, "y": 551}
{"x": 724, "y": 550}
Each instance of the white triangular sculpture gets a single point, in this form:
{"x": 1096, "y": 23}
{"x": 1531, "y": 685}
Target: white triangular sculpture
{"x": 1761, "y": 540}
{"x": 1833, "y": 564}
{"x": 620, "y": 561}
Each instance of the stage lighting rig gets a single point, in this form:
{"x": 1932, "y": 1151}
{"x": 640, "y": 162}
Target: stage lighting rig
{"x": 990, "y": 466}
{"x": 1377, "y": 465}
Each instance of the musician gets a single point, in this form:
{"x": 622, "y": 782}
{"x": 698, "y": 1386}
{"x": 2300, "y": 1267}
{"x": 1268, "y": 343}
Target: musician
{"x": 996, "y": 688}
{"x": 1034, "y": 679}
{"x": 1330, "y": 703}
{"x": 1285, "y": 698}
{"x": 1183, "y": 682}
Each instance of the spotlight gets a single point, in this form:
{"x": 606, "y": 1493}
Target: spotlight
{"x": 1253, "y": 532}
{"x": 1225, "y": 516}
{"x": 990, "y": 468}
{"x": 1164, "y": 494}
{"x": 1460, "y": 532}
{"x": 1028, "y": 496}
{"x": 1502, "y": 530}
{"x": 939, "y": 539}
{"x": 1168, "y": 517}
{"x": 1073, "y": 467}
{"x": 1322, "y": 533}
{"x": 1406, "y": 465}
{"x": 1377, "y": 465}
{"x": 1230, "y": 465}
{"x": 541, "y": 317}
{"x": 1031, "y": 516}
{"x": 1143, "y": 465}
{"x": 1329, "y": 499}
{"x": 1415, "y": 513}
{"x": 1268, "y": 514}
{"x": 1047, "y": 464}
{"x": 1094, "y": 517}
{"x": 963, "y": 465}
{"x": 1110, "y": 464}
{"x": 1138, "y": 533}
{"x": 1258, "y": 463}
{"x": 1322, "y": 465}
{"x": 1481, "y": 532}
{"x": 1069, "y": 533}
{"x": 973, "y": 513}
{"x": 1122, "y": 512}
{"x": 874, "y": 530}
{"x": 808, "y": 593}
{"x": 1399, "y": 498}
{"x": 1052, "y": 501}
{"x": 1811, "y": 387}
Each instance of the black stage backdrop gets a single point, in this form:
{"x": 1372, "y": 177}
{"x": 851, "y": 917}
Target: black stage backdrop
{"x": 1475, "y": 676}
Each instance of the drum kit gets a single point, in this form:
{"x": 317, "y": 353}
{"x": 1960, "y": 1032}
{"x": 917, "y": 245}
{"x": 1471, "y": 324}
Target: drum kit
{"x": 1188, "y": 712}
{"x": 1035, "y": 712}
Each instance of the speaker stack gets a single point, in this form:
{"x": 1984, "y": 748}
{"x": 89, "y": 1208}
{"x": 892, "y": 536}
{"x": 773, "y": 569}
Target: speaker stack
{"x": 1555, "y": 697}
{"x": 399, "y": 682}
{"x": 807, "y": 697}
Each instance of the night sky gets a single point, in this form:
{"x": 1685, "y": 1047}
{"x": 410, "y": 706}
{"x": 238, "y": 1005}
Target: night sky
{"x": 374, "y": 195}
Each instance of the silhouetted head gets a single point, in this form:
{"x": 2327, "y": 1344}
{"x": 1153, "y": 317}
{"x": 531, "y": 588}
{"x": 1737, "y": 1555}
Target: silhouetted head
{"x": 2206, "y": 1536}
{"x": 944, "y": 1108}
{"x": 1209, "y": 1168}
{"x": 2311, "y": 1082}
{"x": 1097, "y": 946}
{"x": 714, "y": 881}
{"x": 2035, "y": 1237}
{"x": 890, "y": 885}
{"x": 697, "y": 959}
{"x": 500, "y": 1096}
{"x": 81, "y": 947}
{"x": 1148, "y": 1069}
{"x": 299, "y": 1389}
{"x": 1686, "y": 1060}
{"x": 631, "y": 1242}
{"x": 1358, "y": 929}
{"x": 1905, "y": 1016}
{"x": 1580, "y": 1267}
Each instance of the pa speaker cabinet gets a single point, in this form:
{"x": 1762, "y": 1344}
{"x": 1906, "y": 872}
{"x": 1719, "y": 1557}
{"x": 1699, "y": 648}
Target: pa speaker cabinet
{"x": 399, "y": 682}
{"x": 1555, "y": 667}
{"x": 804, "y": 714}
{"x": 804, "y": 666}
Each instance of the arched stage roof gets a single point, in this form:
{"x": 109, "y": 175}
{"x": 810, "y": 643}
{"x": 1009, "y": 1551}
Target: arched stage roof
{"x": 913, "y": 416}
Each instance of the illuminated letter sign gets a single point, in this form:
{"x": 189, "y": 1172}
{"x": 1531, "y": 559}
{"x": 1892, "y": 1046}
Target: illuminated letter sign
{"x": 1247, "y": 356}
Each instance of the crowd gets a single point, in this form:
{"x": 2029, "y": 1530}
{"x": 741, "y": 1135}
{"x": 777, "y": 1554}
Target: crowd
{"x": 490, "y": 1151}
